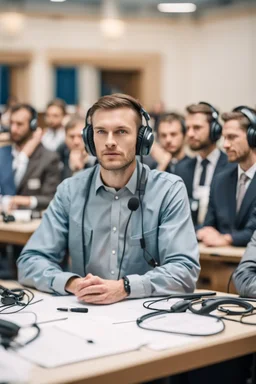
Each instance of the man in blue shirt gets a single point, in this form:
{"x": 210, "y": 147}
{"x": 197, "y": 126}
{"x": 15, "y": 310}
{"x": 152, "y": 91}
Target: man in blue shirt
{"x": 117, "y": 219}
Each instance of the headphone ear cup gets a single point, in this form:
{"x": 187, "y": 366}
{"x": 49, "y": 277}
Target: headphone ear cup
{"x": 87, "y": 135}
{"x": 215, "y": 131}
{"x": 140, "y": 140}
{"x": 33, "y": 125}
{"x": 145, "y": 141}
{"x": 251, "y": 137}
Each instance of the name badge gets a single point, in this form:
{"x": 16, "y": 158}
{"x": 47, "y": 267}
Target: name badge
{"x": 34, "y": 184}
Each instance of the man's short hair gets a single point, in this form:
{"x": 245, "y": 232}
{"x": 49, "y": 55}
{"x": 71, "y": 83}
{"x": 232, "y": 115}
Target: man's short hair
{"x": 73, "y": 121}
{"x": 170, "y": 118}
{"x": 58, "y": 103}
{"x": 25, "y": 106}
{"x": 118, "y": 100}
{"x": 200, "y": 108}
{"x": 243, "y": 121}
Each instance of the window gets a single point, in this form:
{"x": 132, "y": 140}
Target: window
{"x": 4, "y": 83}
{"x": 67, "y": 84}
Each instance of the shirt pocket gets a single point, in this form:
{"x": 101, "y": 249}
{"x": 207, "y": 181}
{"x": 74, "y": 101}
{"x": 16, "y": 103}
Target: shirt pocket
{"x": 149, "y": 236}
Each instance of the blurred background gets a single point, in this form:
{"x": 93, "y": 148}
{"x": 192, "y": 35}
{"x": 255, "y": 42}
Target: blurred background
{"x": 167, "y": 56}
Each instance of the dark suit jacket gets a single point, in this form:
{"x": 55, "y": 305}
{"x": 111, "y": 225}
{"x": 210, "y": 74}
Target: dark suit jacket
{"x": 186, "y": 171}
{"x": 179, "y": 165}
{"x": 7, "y": 186}
{"x": 222, "y": 208}
{"x": 40, "y": 180}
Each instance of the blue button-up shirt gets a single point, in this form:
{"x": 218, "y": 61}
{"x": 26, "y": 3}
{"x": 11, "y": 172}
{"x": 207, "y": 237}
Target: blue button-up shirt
{"x": 168, "y": 231}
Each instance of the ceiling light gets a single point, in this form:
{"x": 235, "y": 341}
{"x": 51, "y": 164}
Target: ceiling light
{"x": 176, "y": 7}
{"x": 12, "y": 23}
{"x": 112, "y": 28}
{"x": 58, "y": 1}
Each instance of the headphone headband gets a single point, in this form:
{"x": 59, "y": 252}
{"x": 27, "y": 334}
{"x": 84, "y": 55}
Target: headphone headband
{"x": 250, "y": 114}
{"x": 215, "y": 113}
{"x": 215, "y": 126}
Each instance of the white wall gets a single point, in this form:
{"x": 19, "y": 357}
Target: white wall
{"x": 211, "y": 60}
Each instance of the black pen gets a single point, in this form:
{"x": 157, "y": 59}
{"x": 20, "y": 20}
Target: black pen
{"x": 81, "y": 310}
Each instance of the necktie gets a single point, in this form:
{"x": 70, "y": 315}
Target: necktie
{"x": 204, "y": 164}
{"x": 241, "y": 190}
{"x": 172, "y": 165}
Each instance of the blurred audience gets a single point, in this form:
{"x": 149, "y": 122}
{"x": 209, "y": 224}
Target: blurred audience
{"x": 231, "y": 216}
{"x": 171, "y": 135}
{"x": 203, "y": 131}
{"x": 72, "y": 153}
{"x": 6, "y": 115}
{"x": 30, "y": 173}
{"x": 54, "y": 134}
{"x": 157, "y": 111}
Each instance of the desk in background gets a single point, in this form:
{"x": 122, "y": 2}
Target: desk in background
{"x": 217, "y": 264}
{"x": 145, "y": 364}
{"x": 16, "y": 232}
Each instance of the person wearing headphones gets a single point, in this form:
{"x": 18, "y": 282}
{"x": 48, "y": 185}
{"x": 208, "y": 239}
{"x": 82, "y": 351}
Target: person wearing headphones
{"x": 231, "y": 216}
{"x": 30, "y": 174}
{"x": 128, "y": 229}
{"x": 203, "y": 131}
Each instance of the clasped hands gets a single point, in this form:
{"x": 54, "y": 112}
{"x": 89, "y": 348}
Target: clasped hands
{"x": 212, "y": 238}
{"x": 94, "y": 290}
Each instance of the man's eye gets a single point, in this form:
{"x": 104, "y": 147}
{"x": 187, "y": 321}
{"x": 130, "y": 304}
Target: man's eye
{"x": 121, "y": 131}
{"x": 100, "y": 131}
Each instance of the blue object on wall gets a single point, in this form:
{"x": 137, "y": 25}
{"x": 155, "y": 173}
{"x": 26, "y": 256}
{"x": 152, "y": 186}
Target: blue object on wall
{"x": 66, "y": 80}
{"x": 4, "y": 83}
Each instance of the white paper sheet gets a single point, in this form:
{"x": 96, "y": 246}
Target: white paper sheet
{"x": 13, "y": 369}
{"x": 56, "y": 347}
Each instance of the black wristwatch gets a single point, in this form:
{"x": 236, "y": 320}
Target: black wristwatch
{"x": 127, "y": 286}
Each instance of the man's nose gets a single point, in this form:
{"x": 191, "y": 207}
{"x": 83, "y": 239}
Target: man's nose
{"x": 110, "y": 142}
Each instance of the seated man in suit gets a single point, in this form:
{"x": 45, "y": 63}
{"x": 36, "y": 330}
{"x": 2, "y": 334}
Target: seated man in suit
{"x": 245, "y": 275}
{"x": 73, "y": 155}
{"x": 203, "y": 131}
{"x": 30, "y": 173}
{"x": 171, "y": 135}
{"x": 231, "y": 216}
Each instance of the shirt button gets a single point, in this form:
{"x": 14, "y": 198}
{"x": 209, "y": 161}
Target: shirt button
{"x": 114, "y": 252}
{"x": 114, "y": 229}
{"x": 116, "y": 197}
{"x": 112, "y": 272}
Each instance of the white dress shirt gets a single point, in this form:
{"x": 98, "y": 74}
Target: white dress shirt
{"x": 52, "y": 138}
{"x": 19, "y": 166}
{"x": 250, "y": 175}
{"x": 213, "y": 158}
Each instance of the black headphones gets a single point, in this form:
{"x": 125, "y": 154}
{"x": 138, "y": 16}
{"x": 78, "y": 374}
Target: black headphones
{"x": 251, "y": 116}
{"x": 145, "y": 136}
{"x": 11, "y": 297}
{"x": 215, "y": 126}
{"x": 209, "y": 305}
{"x": 33, "y": 120}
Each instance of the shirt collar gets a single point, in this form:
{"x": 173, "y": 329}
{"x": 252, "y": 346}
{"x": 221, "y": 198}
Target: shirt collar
{"x": 131, "y": 185}
{"x": 213, "y": 157}
{"x": 249, "y": 173}
{"x": 15, "y": 151}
